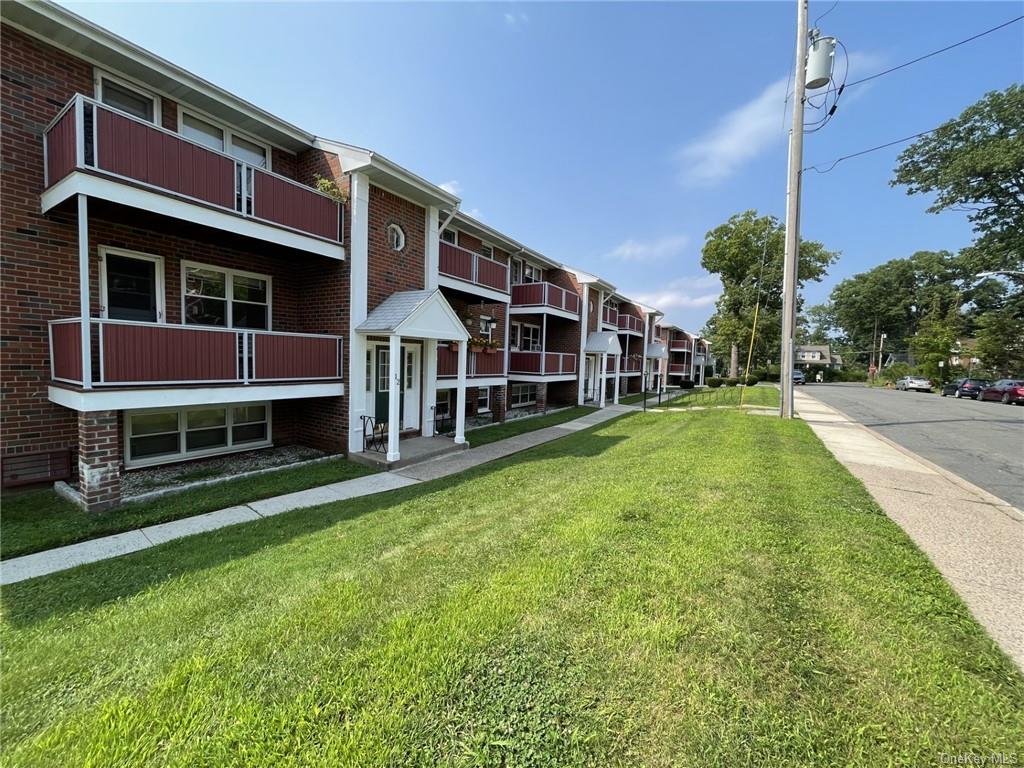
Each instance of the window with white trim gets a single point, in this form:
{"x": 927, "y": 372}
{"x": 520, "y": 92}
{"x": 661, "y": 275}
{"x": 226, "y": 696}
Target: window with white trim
{"x": 409, "y": 360}
{"x": 127, "y": 98}
{"x": 522, "y": 394}
{"x": 396, "y": 237}
{"x": 486, "y": 324}
{"x": 227, "y": 298}
{"x": 487, "y": 250}
{"x": 448, "y": 236}
{"x": 442, "y": 403}
{"x": 532, "y": 274}
{"x": 172, "y": 434}
{"x": 483, "y": 399}
{"x": 529, "y": 337}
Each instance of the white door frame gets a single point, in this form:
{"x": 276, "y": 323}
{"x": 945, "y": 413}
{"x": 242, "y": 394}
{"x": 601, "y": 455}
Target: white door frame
{"x": 412, "y": 417}
{"x": 158, "y": 261}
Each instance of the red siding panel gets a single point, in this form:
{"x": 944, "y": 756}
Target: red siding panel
{"x": 60, "y": 148}
{"x": 140, "y": 353}
{"x": 492, "y": 274}
{"x": 456, "y": 262}
{"x": 67, "y": 351}
{"x": 295, "y": 357}
{"x": 291, "y": 205}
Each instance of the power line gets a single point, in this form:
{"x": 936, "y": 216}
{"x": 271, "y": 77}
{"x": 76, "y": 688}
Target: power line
{"x": 934, "y": 53}
{"x": 826, "y": 13}
{"x": 871, "y": 149}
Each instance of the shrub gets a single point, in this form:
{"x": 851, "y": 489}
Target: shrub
{"x": 713, "y": 381}
{"x": 686, "y": 385}
{"x": 731, "y": 381}
{"x": 751, "y": 380}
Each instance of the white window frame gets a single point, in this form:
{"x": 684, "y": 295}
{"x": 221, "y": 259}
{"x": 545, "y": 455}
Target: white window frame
{"x": 104, "y": 250}
{"x": 229, "y": 133}
{"x": 485, "y": 392}
{"x": 540, "y": 337}
{"x": 450, "y": 236}
{"x": 514, "y": 401}
{"x": 228, "y": 293}
{"x": 101, "y": 74}
{"x": 186, "y": 455}
{"x": 395, "y": 227}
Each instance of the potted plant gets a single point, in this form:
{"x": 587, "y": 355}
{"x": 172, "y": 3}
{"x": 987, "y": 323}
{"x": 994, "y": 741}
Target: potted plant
{"x": 453, "y": 346}
{"x": 492, "y": 346}
{"x": 476, "y": 344}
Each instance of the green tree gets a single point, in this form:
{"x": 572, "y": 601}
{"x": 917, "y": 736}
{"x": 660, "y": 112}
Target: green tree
{"x": 934, "y": 342}
{"x": 975, "y": 163}
{"x": 1000, "y": 342}
{"x": 747, "y": 253}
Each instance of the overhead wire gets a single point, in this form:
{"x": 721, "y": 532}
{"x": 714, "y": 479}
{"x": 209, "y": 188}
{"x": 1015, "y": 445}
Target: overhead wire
{"x": 838, "y": 160}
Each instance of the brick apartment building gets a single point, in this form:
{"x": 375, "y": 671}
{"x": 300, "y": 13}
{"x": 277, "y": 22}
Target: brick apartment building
{"x": 186, "y": 275}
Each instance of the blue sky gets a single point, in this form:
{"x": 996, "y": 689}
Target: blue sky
{"x": 610, "y": 136}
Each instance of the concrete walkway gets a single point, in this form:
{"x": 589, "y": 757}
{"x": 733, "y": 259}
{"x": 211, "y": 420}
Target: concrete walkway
{"x": 974, "y": 539}
{"x": 62, "y": 558}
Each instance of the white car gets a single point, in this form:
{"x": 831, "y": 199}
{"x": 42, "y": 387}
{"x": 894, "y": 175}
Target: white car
{"x": 917, "y": 383}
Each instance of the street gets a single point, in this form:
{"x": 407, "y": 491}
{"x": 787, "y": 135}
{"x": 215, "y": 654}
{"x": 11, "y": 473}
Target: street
{"x": 981, "y": 442}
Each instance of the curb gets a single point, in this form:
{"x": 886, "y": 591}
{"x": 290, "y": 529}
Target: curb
{"x": 990, "y": 498}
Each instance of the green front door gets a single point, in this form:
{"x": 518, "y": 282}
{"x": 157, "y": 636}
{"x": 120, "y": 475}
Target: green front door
{"x": 382, "y": 383}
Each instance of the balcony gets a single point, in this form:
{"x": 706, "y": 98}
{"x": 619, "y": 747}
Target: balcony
{"x": 631, "y": 324}
{"x": 540, "y": 297}
{"x": 478, "y": 364}
{"x": 679, "y": 369}
{"x": 470, "y": 267}
{"x": 680, "y": 345}
{"x": 628, "y": 365}
{"x": 610, "y": 316}
{"x": 132, "y": 354}
{"x": 542, "y": 363}
{"x": 136, "y": 163}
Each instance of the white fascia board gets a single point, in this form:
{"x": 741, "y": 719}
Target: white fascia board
{"x": 543, "y": 311}
{"x": 157, "y": 397}
{"x": 536, "y": 378}
{"x": 451, "y": 382}
{"x": 166, "y": 204}
{"x": 40, "y": 17}
{"x": 499, "y": 297}
{"x": 484, "y": 232}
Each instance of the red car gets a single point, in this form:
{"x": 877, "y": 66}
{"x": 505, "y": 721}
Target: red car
{"x": 1005, "y": 390}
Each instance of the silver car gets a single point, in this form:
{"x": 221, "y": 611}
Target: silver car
{"x": 918, "y": 383}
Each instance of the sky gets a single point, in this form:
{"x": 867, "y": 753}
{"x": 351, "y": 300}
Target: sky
{"x": 611, "y": 136}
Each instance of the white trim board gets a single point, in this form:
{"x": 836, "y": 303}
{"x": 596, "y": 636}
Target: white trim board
{"x": 472, "y": 288}
{"x": 156, "y": 397}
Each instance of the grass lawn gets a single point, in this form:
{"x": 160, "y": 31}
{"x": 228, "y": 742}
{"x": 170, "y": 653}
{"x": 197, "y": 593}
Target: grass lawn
{"x": 485, "y": 435}
{"x": 766, "y": 395}
{"x": 622, "y": 596}
{"x": 38, "y": 520}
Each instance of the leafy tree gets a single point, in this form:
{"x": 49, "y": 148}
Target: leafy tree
{"x": 975, "y": 163}
{"x": 1000, "y": 342}
{"x": 934, "y": 342}
{"x": 735, "y": 252}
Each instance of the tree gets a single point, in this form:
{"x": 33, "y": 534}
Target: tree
{"x": 736, "y": 251}
{"x": 934, "y": 342}
{"x": 1000, "y": 342}
{"x": 975, "y": 163}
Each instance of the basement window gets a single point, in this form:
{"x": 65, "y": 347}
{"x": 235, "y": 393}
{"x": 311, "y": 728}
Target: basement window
{"x": 175, "y": 434}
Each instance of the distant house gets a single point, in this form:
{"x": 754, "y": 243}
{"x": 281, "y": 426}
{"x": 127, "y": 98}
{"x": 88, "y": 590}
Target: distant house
{"x": 817, "y": 356}
{"x": 962, "y": 354}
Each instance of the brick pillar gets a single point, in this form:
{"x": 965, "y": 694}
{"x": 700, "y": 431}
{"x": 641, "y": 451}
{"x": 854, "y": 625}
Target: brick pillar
{"x": 99, "y": 460}
{"x": 542, "y": 397}
{"x": 498, "y": 409}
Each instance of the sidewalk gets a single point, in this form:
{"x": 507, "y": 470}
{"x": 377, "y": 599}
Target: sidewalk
{"x": 62, "y": 558}
{"x": 974, "y": 539}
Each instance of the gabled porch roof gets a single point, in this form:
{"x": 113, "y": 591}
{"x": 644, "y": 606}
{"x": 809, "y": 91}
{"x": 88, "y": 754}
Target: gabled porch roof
{"x": 415, "y": 314}
{"x": 603, "y": 343}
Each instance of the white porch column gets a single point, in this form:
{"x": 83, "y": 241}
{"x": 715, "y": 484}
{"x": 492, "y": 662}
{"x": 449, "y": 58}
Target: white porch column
{"x": 584, "y": 329}
{"x": 601, "y": 378}
{"x": 358, "y": 253}
{"x": 618, "y": 371}
{"x": 394, "y": 393}
{"x": 84, "y": 308}
{"x": 460, "y": 395}
{"x": 429, "y": 385}
{"x": 703, "y": 366}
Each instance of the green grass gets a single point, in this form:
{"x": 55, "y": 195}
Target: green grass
{"x": 766, "y": 395}
{"x": 492, "y": 434}
{"x": 624, "y": 596}
{"x": 38, "y": 520}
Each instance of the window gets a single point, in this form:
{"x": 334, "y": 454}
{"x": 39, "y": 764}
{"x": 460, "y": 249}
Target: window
{"x": 369, "y": 369}
{"x": 529, "y": 338}
{"x": 442, "y": 403}
{"x": 532, "y": 274}
{"x": 513, "y": 336}
{"x": 517, "y": 271}
{"x": 202, "y": 132}
{"x": 487, "y": 250}
{"x": 155, "y": 437}
{"x": 523, "y": 394}
{"x": 131, "y": 285}
{"x": 248, "y": 151}
{"x": 408, "y": 369}
{"x": 126, "y": 98}
{"x": 225, "y": 297}
{"x": 396, "y": 237}
{"x": 383, "y": 369}
{"x": 486, "y": 324}
{"x": 448, "y": 236}
{"x": 483, "y": 399}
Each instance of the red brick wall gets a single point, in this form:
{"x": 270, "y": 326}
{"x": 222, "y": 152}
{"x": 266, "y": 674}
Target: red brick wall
{"x": 99, "y": 459}
{"x": 463, "y": 306}
{"x": 391, "y": 271}
{"x": 169, "y": 114}
{"x": 467, "y": 241}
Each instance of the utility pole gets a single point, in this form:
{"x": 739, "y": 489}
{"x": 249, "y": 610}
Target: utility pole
{"x": 792, "y": 260}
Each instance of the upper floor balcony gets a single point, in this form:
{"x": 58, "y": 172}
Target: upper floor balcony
{"x": 610, "y": 316}
{"x": 92, "y": 149}
{"x": 626, "y": 365}
{"x": 680, "y": 345}
{"x": 679, "y": 369}
{"x": 545, "y": 297}
{"x": 630, "y": 324}
{"x": 479, "y": 365}
{"x": 470, "y": 267}
{"x": 135, "y": 354}
{"x": 541, "y": 363}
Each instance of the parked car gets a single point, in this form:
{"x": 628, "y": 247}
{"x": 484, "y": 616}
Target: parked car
{"x": 1005, "y": 391}
{"x": 917, "y": 383}
{"x": 799, "y": 378}
{"x": 965, "y": 387}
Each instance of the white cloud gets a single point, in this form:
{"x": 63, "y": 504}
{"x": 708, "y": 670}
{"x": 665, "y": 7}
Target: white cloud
{"x": 738, "y": 136}
{"x": 516, "y": 18}
{"x": 452, "y": 187}
{"x": 650, "y": 250}
{"x": 683, "y": 293}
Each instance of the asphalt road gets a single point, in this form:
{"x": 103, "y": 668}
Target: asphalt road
{"x": 981, "y": 442}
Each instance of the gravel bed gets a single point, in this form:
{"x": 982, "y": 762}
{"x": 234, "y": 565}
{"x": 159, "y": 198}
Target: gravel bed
{"x": 138, "y": 481}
